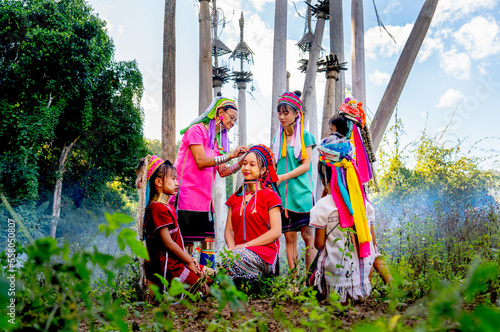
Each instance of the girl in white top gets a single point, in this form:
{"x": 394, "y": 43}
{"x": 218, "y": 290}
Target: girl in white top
{"x": 346, "y": 257}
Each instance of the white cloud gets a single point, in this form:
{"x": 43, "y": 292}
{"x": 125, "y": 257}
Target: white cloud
{"x": 111, "y": 28}
{"x": 450, "y": 98}
{"x": 230, "y": 7}
{"x": 444, "y": 32}
{"x": 428, "y": 47}
{"x": 259, "y": 38}
{"x": 482, "y": 69}
{"x": 379, "y": 78}
{"x": 120, "y": 30}
{"x": 379, "y": 43}
{"x": 480, "y": 37}
{"x": 393, "y": 7}
{"x": 456, "y": 65}
{"x": 456, "y": 9}
{"x": 259, "y": 4}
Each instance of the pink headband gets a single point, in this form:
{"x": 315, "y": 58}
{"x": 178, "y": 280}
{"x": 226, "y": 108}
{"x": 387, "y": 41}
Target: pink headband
{"x": 153, "y": 165}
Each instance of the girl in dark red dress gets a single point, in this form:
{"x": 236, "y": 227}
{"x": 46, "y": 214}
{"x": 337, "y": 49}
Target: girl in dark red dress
{"x": 254, "y": 219}
{"x": 167, "y": 254}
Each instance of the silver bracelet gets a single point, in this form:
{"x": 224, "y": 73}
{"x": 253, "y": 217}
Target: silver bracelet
{"x": 219, "y": 160}
{"x": 234, "y": 168}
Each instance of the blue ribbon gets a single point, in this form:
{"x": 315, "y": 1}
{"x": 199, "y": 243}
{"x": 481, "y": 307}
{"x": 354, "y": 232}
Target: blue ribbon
{"x": 343, "y": 191}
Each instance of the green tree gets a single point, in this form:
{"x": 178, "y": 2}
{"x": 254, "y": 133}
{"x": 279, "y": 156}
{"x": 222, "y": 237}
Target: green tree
{"x": 447, "y": 172}
{"x": 65, "y": 103}
{"x": 153, "y": 146}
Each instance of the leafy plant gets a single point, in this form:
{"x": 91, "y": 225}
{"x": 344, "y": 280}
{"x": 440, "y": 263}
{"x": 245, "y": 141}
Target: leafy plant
{"x": 56, "y": 287}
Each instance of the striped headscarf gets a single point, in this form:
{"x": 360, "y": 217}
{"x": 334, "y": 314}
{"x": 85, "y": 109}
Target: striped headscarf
{"x": 299, "y": 151}
{"x": 209, "y": 116}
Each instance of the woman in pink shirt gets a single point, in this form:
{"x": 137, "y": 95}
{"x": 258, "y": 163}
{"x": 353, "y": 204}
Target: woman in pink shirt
{"x": 204, "y": 149}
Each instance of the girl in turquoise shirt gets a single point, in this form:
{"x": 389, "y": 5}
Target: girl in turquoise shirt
{"x": 292, "y": 151}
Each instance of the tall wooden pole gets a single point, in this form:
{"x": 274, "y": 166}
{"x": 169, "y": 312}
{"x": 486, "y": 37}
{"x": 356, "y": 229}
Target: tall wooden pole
{"x": 331, "y": 71}
{"x": 358, "y": 51}
{"x": 242, "y": 113}
{"x": 313, "y": 128}
{"x": 337, "y": 47}
{"x": 205, "y": 92}
{"x": 329, "y": 103}
{"x": 168, "y": 84}
{"x": 312, "y": 66}
{"x": 242, "y": 123}
{"x": 401, "y": 72}
{"x": 279, "y": 61}
{"x": 217, "y": 84}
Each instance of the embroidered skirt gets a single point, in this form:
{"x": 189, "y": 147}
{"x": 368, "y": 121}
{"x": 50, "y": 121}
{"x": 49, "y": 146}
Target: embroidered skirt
{"x": 247, "y": 265}
{"x": 347, "y": 274}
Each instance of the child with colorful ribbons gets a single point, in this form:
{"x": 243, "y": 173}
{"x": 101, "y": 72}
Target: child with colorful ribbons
{"x": 253, "y": 224}
{"x": 292, "y": 148}
{"x": 157, "y": 183}
{"x": 351, "y": 124}
{"x": 341, "y": 218}
{"x": 204, "y": 149}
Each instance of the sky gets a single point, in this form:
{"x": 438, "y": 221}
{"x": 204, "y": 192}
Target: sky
{"x": 455, "y": 79}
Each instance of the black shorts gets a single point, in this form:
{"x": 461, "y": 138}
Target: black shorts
{"x": 294, "y": 222}
{"x": 195, "y": 226}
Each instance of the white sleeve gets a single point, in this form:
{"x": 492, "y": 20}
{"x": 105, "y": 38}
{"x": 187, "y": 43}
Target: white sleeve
{"x": 321, "y": 211}
{"x": 370, "y": 213}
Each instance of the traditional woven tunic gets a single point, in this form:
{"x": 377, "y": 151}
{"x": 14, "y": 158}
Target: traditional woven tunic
{"x": 249, "y": 222}
{"x": 162, "y": 260}
{"x": 335, "y": 270}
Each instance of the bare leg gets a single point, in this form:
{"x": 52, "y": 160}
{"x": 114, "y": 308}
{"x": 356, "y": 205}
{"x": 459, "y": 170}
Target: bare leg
{"x": 291, "y": 249}
{"x": 308, "y": 236}
{"x": 383, "y": 270}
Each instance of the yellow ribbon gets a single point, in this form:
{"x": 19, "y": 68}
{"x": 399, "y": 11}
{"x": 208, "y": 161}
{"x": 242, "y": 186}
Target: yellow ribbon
{"x": 303, "y": 152}
{"x": 283, "y": 145}
{"x": 357, "y": 201}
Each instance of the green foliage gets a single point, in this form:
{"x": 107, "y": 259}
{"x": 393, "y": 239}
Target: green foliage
{"x": 480, "y": 279}
{"x": 225, "y": 292}
{"x": 56, "y": 288}
{"x": 60, "y": 84}
{"x": 446, "y": 171}
{"x": 436, "y": 216}
{"x": 153, "y": 146}
{"x": 176, "y": 293}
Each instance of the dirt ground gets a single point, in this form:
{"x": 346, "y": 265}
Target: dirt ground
{"x": 205, "y": 312}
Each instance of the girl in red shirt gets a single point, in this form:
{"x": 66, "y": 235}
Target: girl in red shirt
{"x": 167, "y": 255}
{"x": 254, "y": 219}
